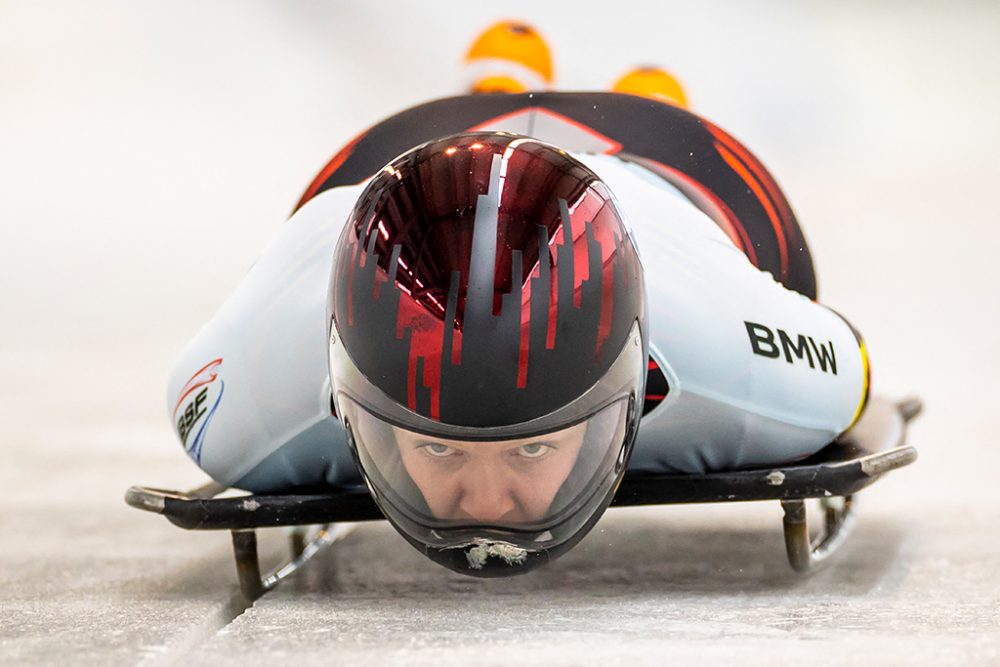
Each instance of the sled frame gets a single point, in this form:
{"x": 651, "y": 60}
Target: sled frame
{"x": 874, "y": 446}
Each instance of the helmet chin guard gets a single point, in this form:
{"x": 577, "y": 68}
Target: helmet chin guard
{"x": 488, "y": 348}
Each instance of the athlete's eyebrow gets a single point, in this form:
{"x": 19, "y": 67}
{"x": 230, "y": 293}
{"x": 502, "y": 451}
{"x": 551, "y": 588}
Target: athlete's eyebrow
{"x": 421, "y": 443}
{"x": 445, "y": 443}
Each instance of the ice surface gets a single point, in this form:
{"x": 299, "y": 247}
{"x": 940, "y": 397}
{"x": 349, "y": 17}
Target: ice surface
{"x": 149, "y": 150}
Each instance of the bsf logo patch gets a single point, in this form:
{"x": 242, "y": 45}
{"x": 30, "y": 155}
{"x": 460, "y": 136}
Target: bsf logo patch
{"x": 196, "y": 405}
{"x": 193, "y": 412}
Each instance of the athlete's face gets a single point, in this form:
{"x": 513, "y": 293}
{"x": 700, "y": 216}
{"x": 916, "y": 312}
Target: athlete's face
{"x": 508, "y": 481}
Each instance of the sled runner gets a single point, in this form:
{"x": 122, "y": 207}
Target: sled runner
{"x": 874, "y": 446}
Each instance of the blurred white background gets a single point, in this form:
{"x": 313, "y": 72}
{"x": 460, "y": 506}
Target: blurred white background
{"x": 149, "y": 150}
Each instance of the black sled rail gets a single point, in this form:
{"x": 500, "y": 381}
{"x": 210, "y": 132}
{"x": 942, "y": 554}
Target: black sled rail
{"x": 874, "y": 446}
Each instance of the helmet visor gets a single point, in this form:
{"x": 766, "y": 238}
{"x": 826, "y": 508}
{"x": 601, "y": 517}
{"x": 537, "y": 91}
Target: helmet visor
{"x": 523, "y": 484}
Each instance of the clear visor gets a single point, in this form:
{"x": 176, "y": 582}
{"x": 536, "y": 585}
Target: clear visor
{"x": 522, "y": 484}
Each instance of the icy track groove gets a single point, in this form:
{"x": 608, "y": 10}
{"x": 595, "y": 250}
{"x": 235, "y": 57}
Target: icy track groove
{"x": 187, "y": 645}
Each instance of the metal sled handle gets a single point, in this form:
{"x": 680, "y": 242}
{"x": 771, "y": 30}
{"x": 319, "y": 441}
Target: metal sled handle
{"x": 252, "y": 583}
{"x": 805, "y": 554}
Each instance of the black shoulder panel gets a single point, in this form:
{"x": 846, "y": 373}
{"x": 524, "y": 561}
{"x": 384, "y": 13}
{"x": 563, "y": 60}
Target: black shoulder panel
{"x": 717, "y": 172}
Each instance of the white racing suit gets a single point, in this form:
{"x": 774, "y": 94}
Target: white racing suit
{"x": 757, "y": 374}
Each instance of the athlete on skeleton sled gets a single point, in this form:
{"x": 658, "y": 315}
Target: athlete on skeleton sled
{"x": 472, "y": 333}
{"x": 500, "y": 313}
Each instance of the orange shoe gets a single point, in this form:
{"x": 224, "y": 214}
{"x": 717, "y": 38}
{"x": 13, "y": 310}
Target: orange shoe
{"x": 654, "y": 83}
{"x": 508, "y": 57}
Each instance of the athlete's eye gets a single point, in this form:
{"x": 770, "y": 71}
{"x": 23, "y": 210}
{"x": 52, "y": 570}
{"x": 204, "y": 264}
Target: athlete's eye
{"x": 534, "y": 450}
{"x": 438, "y": 450}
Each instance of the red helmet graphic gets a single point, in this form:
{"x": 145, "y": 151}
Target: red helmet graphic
{"x": 488, "y": 347}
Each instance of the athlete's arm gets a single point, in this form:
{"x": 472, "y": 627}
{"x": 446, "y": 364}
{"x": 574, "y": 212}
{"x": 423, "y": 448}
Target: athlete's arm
{"x": 250, "y": 395}
{"x": 757, "y": 374}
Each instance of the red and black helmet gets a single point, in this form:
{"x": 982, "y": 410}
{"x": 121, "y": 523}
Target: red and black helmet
{"x": 488, "y": 348}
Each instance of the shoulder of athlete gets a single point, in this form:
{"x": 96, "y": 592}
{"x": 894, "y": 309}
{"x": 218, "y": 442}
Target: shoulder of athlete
{"x": 324, "y": 215}
{"x": 342, "y": 196}
{"x": 655, "y": 211}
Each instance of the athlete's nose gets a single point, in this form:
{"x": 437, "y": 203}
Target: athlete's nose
{"x": 486, "y": 495}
